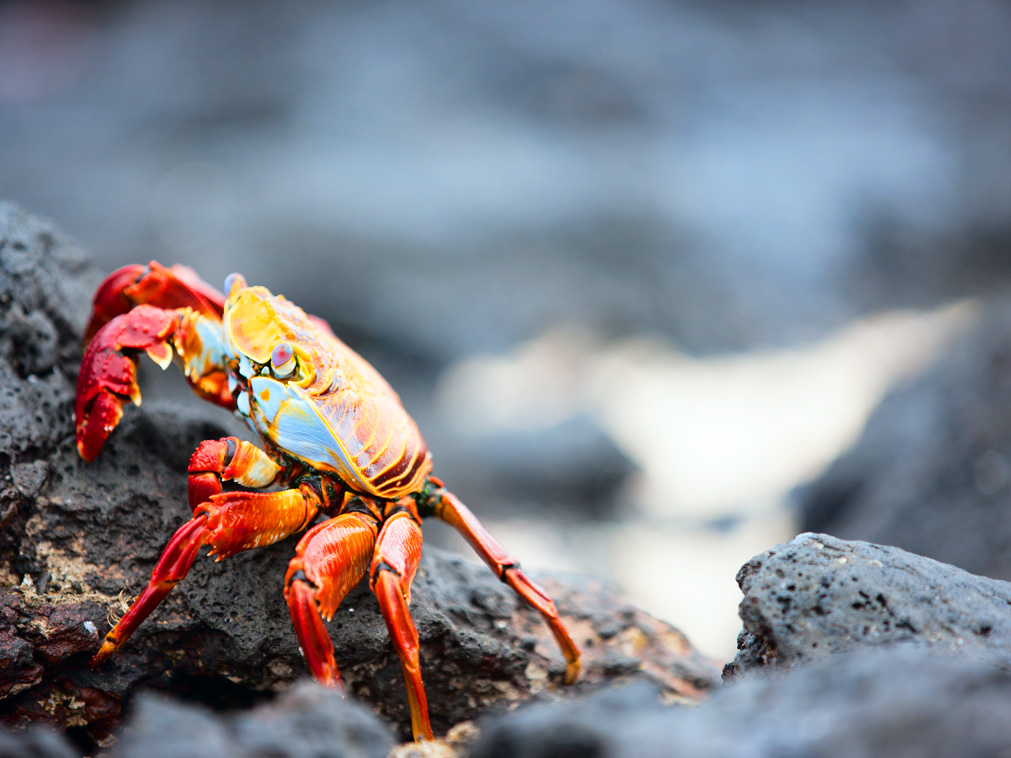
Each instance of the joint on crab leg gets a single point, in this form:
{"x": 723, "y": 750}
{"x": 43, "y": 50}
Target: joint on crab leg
{"x": 448, "y": 508}
{"x": 398, "y": 550}
{"x": 330, "y": 559}
{"x": 173, "y": 287}
{"x": 230, "y": 523}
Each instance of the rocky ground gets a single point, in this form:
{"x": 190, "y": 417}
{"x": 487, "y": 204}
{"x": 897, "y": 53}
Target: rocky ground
{"x": 848, "y": 648}
{"x": 79, "y": 539}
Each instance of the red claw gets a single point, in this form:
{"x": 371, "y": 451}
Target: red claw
{"x": 108, "y": 377}
{"x": 110, "y": 299}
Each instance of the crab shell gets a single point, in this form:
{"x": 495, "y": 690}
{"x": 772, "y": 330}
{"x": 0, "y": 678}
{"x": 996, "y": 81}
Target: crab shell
{"x": 334, "y": 412}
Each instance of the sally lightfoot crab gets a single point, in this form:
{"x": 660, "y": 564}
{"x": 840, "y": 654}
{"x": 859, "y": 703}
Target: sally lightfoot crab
{"x": 335, "y": 438}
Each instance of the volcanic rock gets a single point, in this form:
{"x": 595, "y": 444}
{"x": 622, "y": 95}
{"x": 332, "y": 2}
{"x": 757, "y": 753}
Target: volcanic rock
{"x": 308, "y": 721}
{"x": 904, "y": 703}
{"x": 817, "y": 596}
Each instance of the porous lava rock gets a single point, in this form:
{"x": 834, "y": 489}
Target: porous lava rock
{"x": 932, "y": 471}
{"x": 906, "y": 703}
{"x": 817, "y": 596}
{"x": 79, "y": 540}
{"x": 848, "y": 649}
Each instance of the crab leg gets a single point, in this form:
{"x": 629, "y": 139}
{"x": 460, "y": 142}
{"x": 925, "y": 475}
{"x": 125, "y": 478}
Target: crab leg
{"x": 175, "y": 562}
{"x": 329, "y": 561}
{"x": 153, "y": 284}
{"x": 230, "y": 523}
{"x": 449, "y": 509}
{"x": 398, "y": 550}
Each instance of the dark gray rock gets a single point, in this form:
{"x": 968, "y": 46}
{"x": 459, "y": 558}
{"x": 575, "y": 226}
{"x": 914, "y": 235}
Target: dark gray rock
{"x": 895, "y": 703}
{"x": 816, "y": 596}
{"x": 308, "y": 721}
{"x": 80, "y": 539}
{"x": 932, "y": 471}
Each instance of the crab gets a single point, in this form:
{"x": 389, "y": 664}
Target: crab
{"x": 335, "y": 438}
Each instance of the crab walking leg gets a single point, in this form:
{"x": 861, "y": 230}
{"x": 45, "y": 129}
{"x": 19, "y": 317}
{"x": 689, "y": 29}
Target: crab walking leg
{"x": 329, "y": 561}
{"x": 449, "y": 509}
{"x": 398, "y": 550}
{"x": 230, "y": 523}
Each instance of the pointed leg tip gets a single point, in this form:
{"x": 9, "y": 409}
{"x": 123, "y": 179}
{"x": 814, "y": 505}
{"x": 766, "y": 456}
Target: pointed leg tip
{"x": 332, "y": 680}
{"x": 573, "y": 670}
{"x": 84, "y": 452}
{"x": 107, "y": 649}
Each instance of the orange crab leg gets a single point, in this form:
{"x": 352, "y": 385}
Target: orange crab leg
{"x": 449, "y": 509}
{"x": 230, "y": 523}
{"x": 174, "y": 564}
{"x": 398, "y": 550}
{"x": 329, "y": 561}
{"x": 154, "y": 284}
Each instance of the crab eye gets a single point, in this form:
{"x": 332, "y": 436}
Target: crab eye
{"x": 282, "y": 359}
{"x": 230, "y": 282}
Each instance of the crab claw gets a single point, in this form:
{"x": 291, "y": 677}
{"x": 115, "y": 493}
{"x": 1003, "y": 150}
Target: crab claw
{"x": 108, "y": 375}
{"x": 153, "y": 284}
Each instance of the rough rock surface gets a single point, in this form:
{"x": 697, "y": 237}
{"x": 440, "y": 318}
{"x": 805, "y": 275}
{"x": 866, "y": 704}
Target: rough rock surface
{"x": 896, "y": 703}
{"x": 816, "y": 596}
{"x": 79, "y": 540}
{"x": 932, "y": 472}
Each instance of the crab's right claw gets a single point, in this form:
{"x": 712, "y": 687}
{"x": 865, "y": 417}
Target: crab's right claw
{"x": 108, "y": 375}
{"x": 173, "y": 287}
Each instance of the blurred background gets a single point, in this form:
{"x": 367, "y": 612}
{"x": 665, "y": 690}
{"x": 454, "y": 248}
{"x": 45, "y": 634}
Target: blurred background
{"x": 639, "y": 269}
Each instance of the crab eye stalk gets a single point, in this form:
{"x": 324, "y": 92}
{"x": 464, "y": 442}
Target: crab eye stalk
{"x": 230, "y": 281}
{"x": 282, "y": 359}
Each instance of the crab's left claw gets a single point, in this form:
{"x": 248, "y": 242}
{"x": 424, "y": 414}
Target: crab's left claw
{"x": 108, "y": 377}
